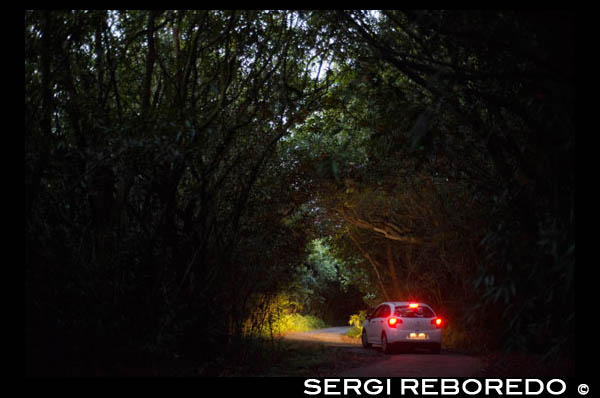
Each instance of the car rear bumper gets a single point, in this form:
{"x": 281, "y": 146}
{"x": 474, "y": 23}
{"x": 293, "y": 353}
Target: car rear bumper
{"x": 411, "y": 337}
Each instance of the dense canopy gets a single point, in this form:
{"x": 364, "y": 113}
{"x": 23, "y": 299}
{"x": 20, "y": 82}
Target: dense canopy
{"x": 185, "y": 166}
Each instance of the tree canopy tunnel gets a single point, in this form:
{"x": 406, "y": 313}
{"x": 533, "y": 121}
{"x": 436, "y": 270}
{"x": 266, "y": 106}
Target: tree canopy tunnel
{"x": 186, "y": 171}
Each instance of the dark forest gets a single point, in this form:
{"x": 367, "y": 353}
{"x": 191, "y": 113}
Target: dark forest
{"x": 199, "y": 182}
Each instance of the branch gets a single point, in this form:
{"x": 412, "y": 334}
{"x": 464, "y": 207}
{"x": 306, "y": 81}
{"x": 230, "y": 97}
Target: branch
{"x": 372, "y": 262}
{"x": 386, "y": 229}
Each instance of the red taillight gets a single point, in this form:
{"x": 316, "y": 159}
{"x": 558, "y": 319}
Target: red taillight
{"x": 437, "y": 322}
{"x": 413, "y": 305}
{"x": 392, "y": 322}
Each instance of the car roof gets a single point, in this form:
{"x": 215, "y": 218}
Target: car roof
{"x": 401, "y": 303}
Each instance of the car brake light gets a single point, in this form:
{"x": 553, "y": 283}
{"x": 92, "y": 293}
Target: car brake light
{"x": 394, "y": 321}
{"x": 437, "y": 322}
{"x": 413, "y": 305}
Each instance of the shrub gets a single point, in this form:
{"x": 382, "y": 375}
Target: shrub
{"x": 356, "y": 321}
{"x": 298, "y": 323}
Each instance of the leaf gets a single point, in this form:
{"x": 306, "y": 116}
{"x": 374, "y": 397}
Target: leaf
{"x": 335, "y": 169}
{"x": 421, "y": 128}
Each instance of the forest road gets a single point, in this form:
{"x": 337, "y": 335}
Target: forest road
{"x": 415, "y": 364}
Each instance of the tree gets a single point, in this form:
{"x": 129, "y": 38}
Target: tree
{"x": 487, "y": 118}
{"x": 151, "y": 174}
{"x": 177, "y": 163}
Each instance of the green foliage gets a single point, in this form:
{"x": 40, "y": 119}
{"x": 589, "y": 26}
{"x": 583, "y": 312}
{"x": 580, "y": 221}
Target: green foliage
{"x": 179, "y": 163}
{"x": 281, "y": 316}
{"x": 326, "y": 286}
{"x": 356, "y": 321}
{"x": 461, "y": 156}
{"x": 299, "y": 323}
{"x": 153, "y": 180}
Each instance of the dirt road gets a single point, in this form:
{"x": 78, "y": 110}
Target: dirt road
{"x": 418, "y": 364}
{"x": 330, "y": 336}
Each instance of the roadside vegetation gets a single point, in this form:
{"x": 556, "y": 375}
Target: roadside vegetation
{"x": 356, "y": 322}
{"x": 283, "y": 316}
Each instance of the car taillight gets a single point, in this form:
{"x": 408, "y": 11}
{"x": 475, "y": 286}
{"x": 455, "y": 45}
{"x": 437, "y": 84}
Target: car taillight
{"x": 437, "y": 322}
{"x": 413, "y": 305}
{"x": 392, "y": 322}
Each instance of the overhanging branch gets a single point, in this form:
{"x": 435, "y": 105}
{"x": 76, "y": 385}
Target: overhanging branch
{"x": 384, "y": 229}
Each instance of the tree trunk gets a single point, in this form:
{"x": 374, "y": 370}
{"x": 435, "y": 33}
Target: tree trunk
{"x": 392, "y": 269}
{"x": 150, "y": 59}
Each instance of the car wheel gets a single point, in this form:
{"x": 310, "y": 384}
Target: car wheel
{"x": 365, "y": 342}
{"x": 386, "y": 347}
{"x": 436, "y": 348}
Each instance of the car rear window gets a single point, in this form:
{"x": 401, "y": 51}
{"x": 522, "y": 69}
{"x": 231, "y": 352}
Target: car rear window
{"x": 419, "y": 312}
{"x": 385, "y": 312}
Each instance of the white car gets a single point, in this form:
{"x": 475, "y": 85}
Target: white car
{"x": 403, "y": 323}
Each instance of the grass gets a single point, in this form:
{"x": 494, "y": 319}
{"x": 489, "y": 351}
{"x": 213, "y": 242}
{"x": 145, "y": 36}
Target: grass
{"x": 299, "y": 359}
{"x": 310, "y": 359}
{"x": 268, "y": 354}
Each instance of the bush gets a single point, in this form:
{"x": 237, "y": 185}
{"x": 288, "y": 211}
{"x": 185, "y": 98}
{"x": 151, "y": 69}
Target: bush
{"x": 280, "y": 315}
{"x": 356, "y": 321}
{"x": 298, "y": 323}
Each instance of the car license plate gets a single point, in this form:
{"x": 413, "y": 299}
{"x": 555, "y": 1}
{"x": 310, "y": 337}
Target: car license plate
{"x": 417, "y": 336}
